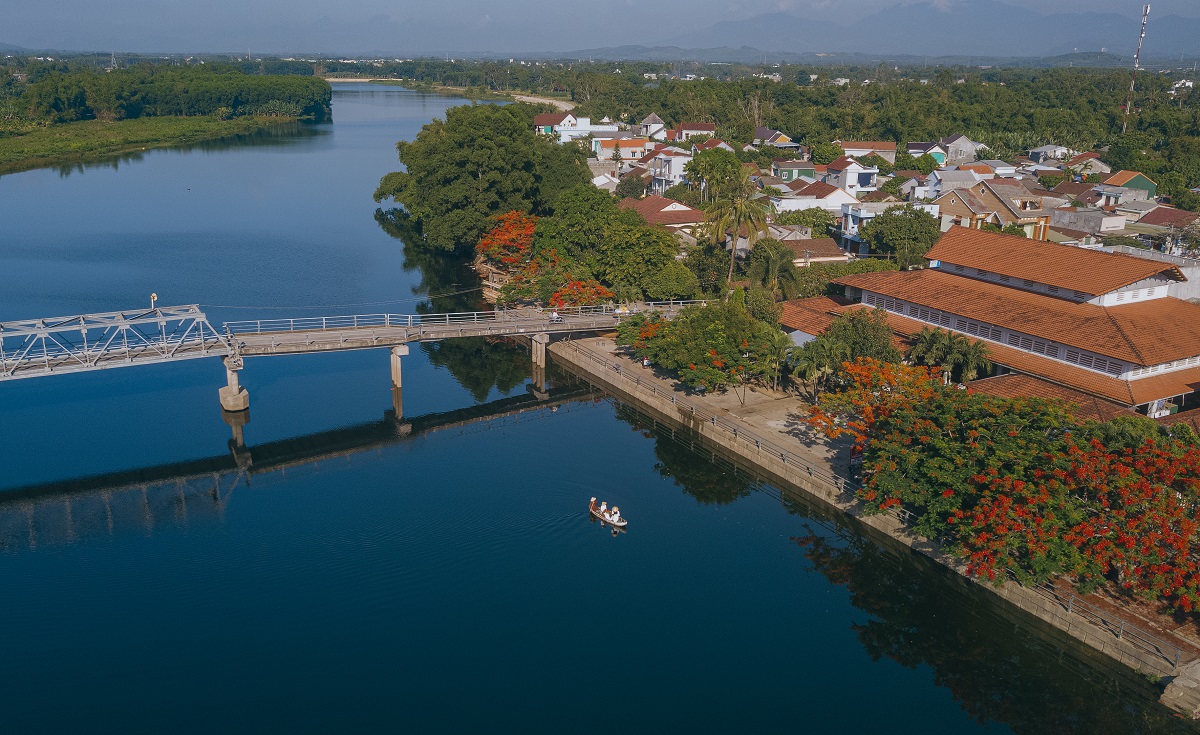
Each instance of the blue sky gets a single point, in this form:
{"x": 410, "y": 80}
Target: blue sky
{"x": 407, "y": 27}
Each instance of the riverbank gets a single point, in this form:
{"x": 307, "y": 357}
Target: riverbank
{"x": 474, "y": 93}
{"x": 92, "y": 140}
{"x": 770, "y": 434}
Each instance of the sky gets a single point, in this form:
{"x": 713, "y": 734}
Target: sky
{"x": 421, "y": 27}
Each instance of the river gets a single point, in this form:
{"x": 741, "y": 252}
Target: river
{"x": 448, "y": 580}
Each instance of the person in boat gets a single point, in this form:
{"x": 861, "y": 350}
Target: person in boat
{"x": 592, "y": 505}
{"x": 615, "y": 516}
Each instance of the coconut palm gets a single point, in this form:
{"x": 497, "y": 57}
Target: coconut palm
{"x": 816, "y": 362}
{"x": 929, "y": 347}
{"x": 738, "y": 207}
{"x": 772, "y": 266}
{"x": 956, "y": 347}
{"x": 976, "y": 358}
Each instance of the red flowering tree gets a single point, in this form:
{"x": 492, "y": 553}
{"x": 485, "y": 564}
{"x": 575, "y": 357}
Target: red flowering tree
{"x": 507, "y": 245}
{"x": 587, "y": 292}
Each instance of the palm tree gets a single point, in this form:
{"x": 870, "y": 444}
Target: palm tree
{"x": 772, "y": 266}
{"x": 776, "y": 353}
{"x": 929, "y": 347}
{"x": 738, "y": 207}
{"x": 817, "y": 361}
{"x": 976, "y": 358}
{"x": 956, "y": 347}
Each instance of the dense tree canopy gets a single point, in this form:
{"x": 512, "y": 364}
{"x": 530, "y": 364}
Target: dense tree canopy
{"x": 480, "y": 162}
{"x": 905, "y": 233}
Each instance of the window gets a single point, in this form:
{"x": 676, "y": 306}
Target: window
{"x": 1134, "y": 294}
{"x": 980, "y": 272}
{"x": 1028, "y": 283}
{"x": 1004, "y": 279}
{"x": 995, "y": 334}
{"x": 1080, "y": 295}
{"x": 958, "y": 269}
{"x": 1120, "y": 295}
{"x": 1150, "y": 292}
{"x": 1052, "y": 289}
{"x": 960, "y": 324}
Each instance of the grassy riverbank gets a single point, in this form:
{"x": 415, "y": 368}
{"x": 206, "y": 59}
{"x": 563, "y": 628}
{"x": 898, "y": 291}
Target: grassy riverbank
{"x": 472, "y": 93}
{"x": 91, "y": 140}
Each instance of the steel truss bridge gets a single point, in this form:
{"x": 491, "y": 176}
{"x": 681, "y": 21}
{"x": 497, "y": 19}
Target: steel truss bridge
{"x": 87, "y": 342}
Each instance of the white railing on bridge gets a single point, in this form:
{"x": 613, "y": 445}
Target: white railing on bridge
{"x": 413, "y": 321}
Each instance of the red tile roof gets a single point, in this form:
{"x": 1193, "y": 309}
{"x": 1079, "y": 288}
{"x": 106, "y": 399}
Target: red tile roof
{"x": 841, "y": 163}
{"x": 1121, "y": 178}
{"x": 549, "y": 118}
{"x": 654, "y": 210}
{"x": 709, "y": 127}
{"x": 1143, "y": 333}
{"x": 1072, "y": 188}
{"x": 817, "y": 247}
{"x": 1087, "y": 271}
{"x": 812, "y": 316}
{"x": 1169, "y": 217}
{"x": 1128, "y": 393}
{"x": 1083, "y": 405}
{"x": 818, "y": 189}
{"x": 1083, "y": 157}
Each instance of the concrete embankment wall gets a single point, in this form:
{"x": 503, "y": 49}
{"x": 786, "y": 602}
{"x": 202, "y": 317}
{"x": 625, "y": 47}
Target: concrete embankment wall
{"x": 1131, "y": 647}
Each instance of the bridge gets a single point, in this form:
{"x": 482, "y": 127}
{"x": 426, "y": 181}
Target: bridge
{"x": 88, "y": 342}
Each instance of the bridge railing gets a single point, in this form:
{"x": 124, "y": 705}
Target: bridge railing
{"x": 411, "y": 321}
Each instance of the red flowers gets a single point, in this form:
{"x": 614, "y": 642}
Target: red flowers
{"x": 509, "y": 241}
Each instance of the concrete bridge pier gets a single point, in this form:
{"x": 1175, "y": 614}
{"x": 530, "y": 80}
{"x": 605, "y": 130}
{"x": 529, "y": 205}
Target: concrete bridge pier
{"x": 398, "y": 353}
{"x": 237, "y": 420}
{"x": 233, "y": 396}
{"x": 539, "y": 387}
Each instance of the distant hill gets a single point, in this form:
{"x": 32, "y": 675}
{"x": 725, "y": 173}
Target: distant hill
{"x": 959, "y": 27}
{"x": 8, "y": 48}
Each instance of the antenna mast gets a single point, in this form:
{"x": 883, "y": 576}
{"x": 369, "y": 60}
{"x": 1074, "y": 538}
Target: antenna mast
{"x": 1136, "y": 58}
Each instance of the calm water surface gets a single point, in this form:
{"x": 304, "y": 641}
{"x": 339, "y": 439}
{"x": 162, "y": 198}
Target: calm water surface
{"x": 447, "y": 580}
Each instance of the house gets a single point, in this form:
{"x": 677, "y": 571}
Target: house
{"x": 854, "y": 216}
{"x": 667, "y": 168}
{"x": 664, "y": 212}
{"x": 1096, "y": 322}
{"x": 712, "y": 143}
{"x": 1067, "y": 236}
{"x": 914, "y": 186}
{"x": 1133, "y": 180}
{"x": 997, "y": 202}
{"x": 1091, "y": 221}
{"x": 683, "y": 131}
{"x": 1001, "y": 169}
{"x": 884, "y": 149}
{"x": 1111, "y": 195}
{"x": 942, "y": 181}
{"x": 960, "y": 149}
{"x": 548, "y": 122}
{"x": 772, "y": 137}
{"x": 935, "y": 150}
{"x": 605, "y": 181}
{"x": 980, "y": 169}
{"x": 818, "y": 194}
{"x": 652, "y": 127}
{"x": 1088, "y": 163}
{"x": 792, "y": 170}
{"x": 1049, "y": 152}
{"x": 851, "y": 176}
{"x": 630, "y": 149}
{"x": 816, "y": 250}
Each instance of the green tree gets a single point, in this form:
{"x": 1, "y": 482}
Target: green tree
{"x": 817, "y": 362}
{"x": 740, "y": 210}
{"x": 707, "y": 262}
{"x": 819, "y": 220}
{"x": 684, "y": 194}
{"x": 826, "y": 152}
{"x": 905, "y": 232}
{"x": 481, "y": 161}
{"x": 866, "y": 333}
{"x": 713, "y": 171}
{"x": 771, "y": 265}
{"x": 815, "y": 280}
{"x": 630, "y": 186}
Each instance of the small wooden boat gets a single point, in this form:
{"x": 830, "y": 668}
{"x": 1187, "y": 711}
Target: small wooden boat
{"x": 615, "y": 524}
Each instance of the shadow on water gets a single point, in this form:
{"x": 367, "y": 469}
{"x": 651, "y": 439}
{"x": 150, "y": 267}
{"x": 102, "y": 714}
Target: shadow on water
{"x": 197, "y": 491}
{"x": 1000, "y": 664}
{"x": 283, "y": 134}
{"x": 449, "y": 285}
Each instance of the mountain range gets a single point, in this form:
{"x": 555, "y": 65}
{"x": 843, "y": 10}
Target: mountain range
{"x": 955, "y": 28}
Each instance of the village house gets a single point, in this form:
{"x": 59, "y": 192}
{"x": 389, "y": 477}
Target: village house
{"x": 775, "y": 138}
{"x": 1012, "y": 203}
{"x": 652, "y": 127}
{"x": 800, "y": 195}
{"x": 711, "y": 144}
{"x": 668, "y": 213}
{"x": 854, "y": 216}
{"x": 1099, "y": 323}
{"x": 566, "y": 127}
{"x": 1049, "y": 153}
{"x": 942, "y": 181}
{"x": 960, "y": 149}
{"x": 667, "y": 168}
{"x": 1133, "y": 180}
{"x": 630, "y": 149}
{"x": 683, "y": 131}
{"x": 860, "y": 148}
{"x": 851, "y": 176}
{"x": 816, "y": 250}
{"x": 789, "y": 171}
{"x": 1086, "y": 219}
{"x": 1088, "y": 163}
{"x": 916, "y": 150}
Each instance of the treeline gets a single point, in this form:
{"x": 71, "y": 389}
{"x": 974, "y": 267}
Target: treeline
{"x": 58, "y": 96}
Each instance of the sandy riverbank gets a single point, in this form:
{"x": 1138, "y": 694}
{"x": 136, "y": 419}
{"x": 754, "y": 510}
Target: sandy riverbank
{"x": 564, "y": 105}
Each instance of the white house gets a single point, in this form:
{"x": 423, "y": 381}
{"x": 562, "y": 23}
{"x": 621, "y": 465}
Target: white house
{"x": 568, "y": 127}
{"x": 940, "y": 182}
{"x": 631, "y": 149}
{"x": 666, "y": 168}
{"x": 804, "y": 195}
{"x": 853, "y": 177}
{"x": 1050, "y": 152}
{"x": 651, "y": 127}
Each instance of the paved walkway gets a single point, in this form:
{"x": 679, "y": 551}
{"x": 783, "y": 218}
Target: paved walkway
{"x": 763, "y": 413}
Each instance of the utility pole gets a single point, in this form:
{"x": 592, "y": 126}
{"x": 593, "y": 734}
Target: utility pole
{"x": 1136, "y": 60}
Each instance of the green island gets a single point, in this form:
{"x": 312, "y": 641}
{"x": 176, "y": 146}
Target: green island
{"x": 53, "y": 114}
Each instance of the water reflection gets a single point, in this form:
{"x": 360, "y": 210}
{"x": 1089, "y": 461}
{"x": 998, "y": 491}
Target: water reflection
{"x": 1000, "y": 664}
{"x": 283, "y": 134}
{"x": 183, "y": 493}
